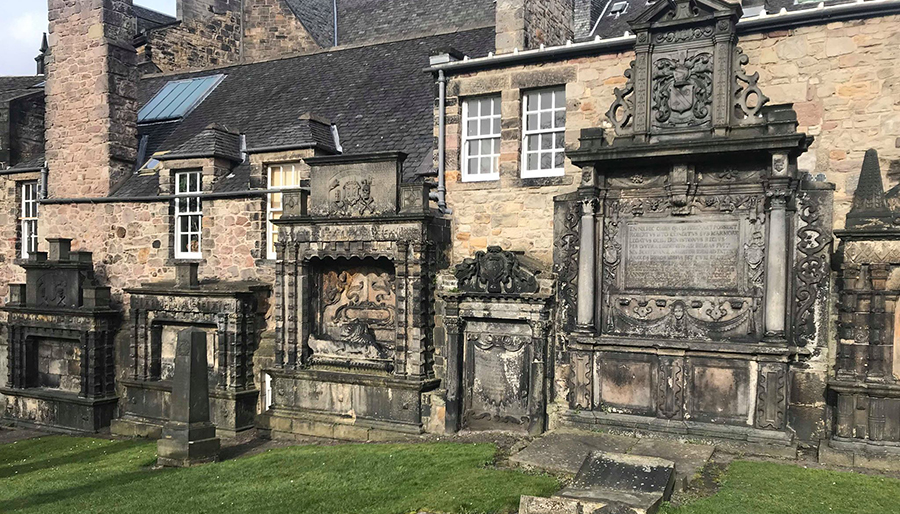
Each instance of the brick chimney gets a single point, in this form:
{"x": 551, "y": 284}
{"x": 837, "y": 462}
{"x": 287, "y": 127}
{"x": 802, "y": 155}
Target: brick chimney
{"x": 527, "y": 24}
{"x": 91, "y": 113}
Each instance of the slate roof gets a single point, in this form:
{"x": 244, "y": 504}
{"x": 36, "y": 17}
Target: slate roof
{"x": 378, "y": 96}
{"x": 15, "y": 87}
{"x": 213, "y": 141}
{"x": 316, "y": 16}
{"x": 33, "y": 164}
{"x": 148, "y": 19}
{"x": 611, "y": 25}
{"x": 369, "y": 21}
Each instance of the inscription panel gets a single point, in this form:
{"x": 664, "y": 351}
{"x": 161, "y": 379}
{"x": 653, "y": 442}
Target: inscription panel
{"x": 700, "y": 255}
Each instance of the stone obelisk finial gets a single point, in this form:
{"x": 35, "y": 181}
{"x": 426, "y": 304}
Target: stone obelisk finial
{"x": 870, "y": 209}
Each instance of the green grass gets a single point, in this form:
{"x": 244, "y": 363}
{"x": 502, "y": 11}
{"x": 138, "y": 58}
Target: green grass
{"x": 769, "y": 488}
{"x": 83, "y": 475}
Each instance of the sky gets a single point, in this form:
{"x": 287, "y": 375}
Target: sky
{"x": 24, "y": 22}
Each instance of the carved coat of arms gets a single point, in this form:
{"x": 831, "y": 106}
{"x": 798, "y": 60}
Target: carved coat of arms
{"x": 353, "y": 197}
{"x": 682, "y": 90}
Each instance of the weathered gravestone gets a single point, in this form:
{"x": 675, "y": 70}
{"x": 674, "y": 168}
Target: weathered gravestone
{"x": 188, "y": 438}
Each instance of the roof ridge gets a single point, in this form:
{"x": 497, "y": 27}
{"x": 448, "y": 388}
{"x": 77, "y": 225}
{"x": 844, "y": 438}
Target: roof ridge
{"x": 333, "y": 49}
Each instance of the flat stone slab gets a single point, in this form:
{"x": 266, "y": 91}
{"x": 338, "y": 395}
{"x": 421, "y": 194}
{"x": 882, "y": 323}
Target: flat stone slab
{"x": 557, "y": 505}
{"x": 11, "y": 435}
{"x": 639, "y": 482}
{"x": 688, "y": 458}
{"x": 565, "y": 451}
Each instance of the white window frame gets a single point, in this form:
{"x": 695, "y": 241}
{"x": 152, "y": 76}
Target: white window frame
{"x": 556, "y": 171}
{"x": 467, "y": 175}
{"x": 188, "y": 207}
{"x": 28, "y": 217}
{"x": 273, "y": 212}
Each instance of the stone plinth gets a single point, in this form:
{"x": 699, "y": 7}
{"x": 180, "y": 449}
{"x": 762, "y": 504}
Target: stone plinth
{"x": 188, "y": 438}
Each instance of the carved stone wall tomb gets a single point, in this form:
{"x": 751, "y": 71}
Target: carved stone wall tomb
{"x": 231, "y": 313}
{"x": 354, "y": 316}
{"x": 61, "y": 370}
{"x": 865, "y": 389}
{"x": 693, "y": 261}
{"x": 498, "y": 323}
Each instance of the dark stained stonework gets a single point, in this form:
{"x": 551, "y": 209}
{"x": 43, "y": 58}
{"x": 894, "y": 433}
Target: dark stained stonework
{"x": 188, "y": 437}
{"x": 61, "y": 329}
{"x": 353, "y": 319}
{"x": 864, "y": 393}
{"x": 230, "y": 312}
{"x": 692, "y": 320}
{"x": 498, "y": 326}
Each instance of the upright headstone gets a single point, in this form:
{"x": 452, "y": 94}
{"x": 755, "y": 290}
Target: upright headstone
{"x": 188, "y": 438}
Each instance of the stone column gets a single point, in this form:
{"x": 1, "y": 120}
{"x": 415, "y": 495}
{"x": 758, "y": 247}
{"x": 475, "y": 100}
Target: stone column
{"x": 188, "y": 437}
{"x": 587, "y": 255}
{"x": 777, "y": 265}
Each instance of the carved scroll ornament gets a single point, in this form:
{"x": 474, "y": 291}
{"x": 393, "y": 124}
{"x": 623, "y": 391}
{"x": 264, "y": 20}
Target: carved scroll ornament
{"x": 495, "y": 271}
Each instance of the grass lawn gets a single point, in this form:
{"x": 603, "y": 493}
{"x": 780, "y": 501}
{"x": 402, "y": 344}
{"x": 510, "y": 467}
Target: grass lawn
{"x": 84, "y": 475}
{"x": 769, "y": 488}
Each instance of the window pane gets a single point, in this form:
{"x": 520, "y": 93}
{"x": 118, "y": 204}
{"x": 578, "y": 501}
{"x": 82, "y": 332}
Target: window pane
{"x": 182, "y": 183}
{"x": 485, "y": 165}
{"x": 275, "y": 202}
{"x": 546, "y": 161}
{"x": 195, "y": 244}
{"x": 486, "y": 108}
{"x": 496, "y": 141}
{"x": 472, "y": 128}
{"x": 559, "y": 160}
{"x": 560, "y": 140}
{"x": 275, "y": 172}
{"x": 485, "y": 126}
{"x": 496, "y": 126}
{"x": 195, "y": 182}
{"x": 531, "y": 122}
{"x": 472, "y": 106}
{"x": 531, "y": 142}
{"x": 473, "y": 165}
{"x": 560, "y": 119}
{"x": 195, "y": 223}
{"x": 546, "y": 100}
{"x": 559, "y": 98}
{"x": 183, "y": 246}
{"x": 546, "y": 120}
{"x": 495, "y": 104}
{"x": 532, "y": 161}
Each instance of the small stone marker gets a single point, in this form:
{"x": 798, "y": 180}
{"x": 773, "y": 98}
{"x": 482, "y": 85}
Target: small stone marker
{"x": 188, "y": 438}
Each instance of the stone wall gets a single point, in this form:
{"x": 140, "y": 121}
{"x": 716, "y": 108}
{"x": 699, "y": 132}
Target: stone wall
{"x": 196, "y": 43}
{"x": 525, "y": 24}
{"x": 841, "y": 78}
{"x": 272, "y": 30}
{"x": 91, "y": 81}
{"x": 26, "y": 136}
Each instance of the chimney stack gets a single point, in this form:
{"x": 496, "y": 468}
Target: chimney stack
{"x": 527, "y": 24}
{"x": 91, "y": 95}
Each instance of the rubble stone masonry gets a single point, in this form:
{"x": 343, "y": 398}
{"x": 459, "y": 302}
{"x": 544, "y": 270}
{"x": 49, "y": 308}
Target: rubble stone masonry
{"x": 526, "y": 24}
{"x": 91, "y": 117}
{"x": 196, "y": 43}
{"x": 841, "y": 77}
{"x": 271, "y": 30}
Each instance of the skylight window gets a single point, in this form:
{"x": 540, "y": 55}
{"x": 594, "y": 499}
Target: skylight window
{"x": 618, "y": 8}
{"x": 178, "y": 98}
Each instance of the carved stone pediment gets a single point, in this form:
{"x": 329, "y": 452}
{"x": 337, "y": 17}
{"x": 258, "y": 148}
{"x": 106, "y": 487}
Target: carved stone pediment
{"x": 495, "y": 271}
{"x": 687, "y": 74}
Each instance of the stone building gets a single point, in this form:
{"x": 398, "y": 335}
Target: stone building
{"x": 396, "y": 217}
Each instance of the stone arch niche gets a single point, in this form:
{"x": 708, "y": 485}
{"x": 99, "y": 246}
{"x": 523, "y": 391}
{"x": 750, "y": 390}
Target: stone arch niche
{"x": 354, "y": 353}
{"x": 693, "y": 260}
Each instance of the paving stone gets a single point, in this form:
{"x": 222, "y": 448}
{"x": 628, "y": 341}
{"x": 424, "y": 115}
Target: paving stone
{"x": 640, "y": 482}
{"x": 688, "y": 458}
{"x": 565, "y": 451}
{"x": 11, "y": 435}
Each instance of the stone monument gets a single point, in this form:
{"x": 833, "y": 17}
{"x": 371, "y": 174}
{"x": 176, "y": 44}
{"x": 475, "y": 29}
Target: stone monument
{"x": 188, "y": 438}
{"x": 693, "y": 260}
